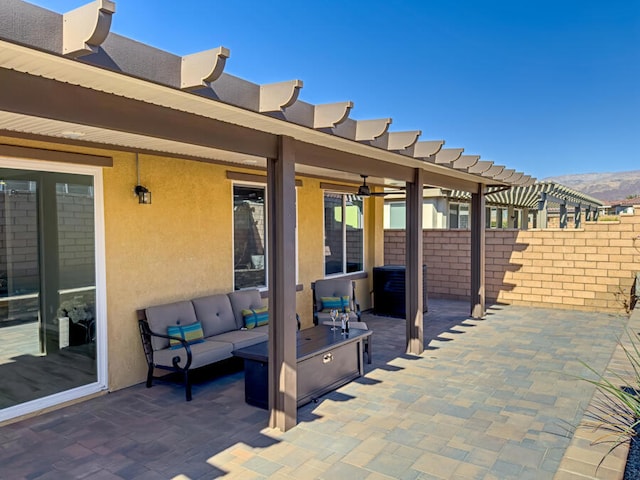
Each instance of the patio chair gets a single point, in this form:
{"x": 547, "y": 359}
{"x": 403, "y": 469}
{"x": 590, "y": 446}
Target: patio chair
{"x": 345, "y": 290}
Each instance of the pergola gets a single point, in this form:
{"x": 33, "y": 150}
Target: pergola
{"x": 538, "y": 197}
{"x": 68, "y": 79}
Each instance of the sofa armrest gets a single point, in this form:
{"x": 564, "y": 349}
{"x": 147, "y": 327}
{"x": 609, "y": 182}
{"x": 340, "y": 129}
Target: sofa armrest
{"x": 146, "y": 334}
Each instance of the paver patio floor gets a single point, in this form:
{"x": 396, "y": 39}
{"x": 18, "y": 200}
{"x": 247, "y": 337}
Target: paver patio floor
{"x": 488, "y": 399}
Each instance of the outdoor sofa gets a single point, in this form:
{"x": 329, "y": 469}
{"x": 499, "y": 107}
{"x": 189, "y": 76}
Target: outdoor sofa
{"x": 203, "y": 330}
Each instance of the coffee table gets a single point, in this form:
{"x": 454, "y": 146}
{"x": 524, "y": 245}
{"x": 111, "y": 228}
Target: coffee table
{"x": 326, "y": 360}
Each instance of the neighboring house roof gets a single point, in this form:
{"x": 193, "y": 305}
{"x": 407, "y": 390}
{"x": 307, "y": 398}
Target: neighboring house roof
{"x": 139, "y": 98}
{"x": 528, "y": 197}
{"x": 627, "y": 202}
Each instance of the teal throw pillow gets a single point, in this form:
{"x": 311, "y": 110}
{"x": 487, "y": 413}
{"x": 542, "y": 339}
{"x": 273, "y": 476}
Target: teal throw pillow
{"x": 342, "y": 304}
{"x": 190, "y": 333}
{"x": 331, "y": 303}
{"x": 255, "y": 317}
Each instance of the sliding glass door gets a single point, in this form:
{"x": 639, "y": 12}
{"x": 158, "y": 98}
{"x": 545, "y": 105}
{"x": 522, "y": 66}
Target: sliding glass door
{"x": 48, "y": 314}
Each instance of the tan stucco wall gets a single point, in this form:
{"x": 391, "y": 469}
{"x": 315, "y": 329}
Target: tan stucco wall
{"x": 180, "y": 246}
{"x": 591, "y": 268}
{"x": 310, "y": 246}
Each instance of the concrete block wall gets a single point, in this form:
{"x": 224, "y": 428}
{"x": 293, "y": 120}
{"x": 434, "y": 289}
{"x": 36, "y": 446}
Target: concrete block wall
{"x": 590, "y": 269}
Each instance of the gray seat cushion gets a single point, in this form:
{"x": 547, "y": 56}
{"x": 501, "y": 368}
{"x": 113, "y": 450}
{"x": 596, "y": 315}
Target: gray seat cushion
{"x": 215, "y": 314}
{"x": 203, "y": 353}
{"x": 160, "y": 317}
{"x": 241, "y": 338}
{"x": 264, "y": 329}
{"x": 244, "y": 300}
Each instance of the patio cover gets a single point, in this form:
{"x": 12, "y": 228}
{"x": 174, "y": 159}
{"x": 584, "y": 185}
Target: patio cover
{"x": 66, "y": 78}
{"x": 529, "y": 196}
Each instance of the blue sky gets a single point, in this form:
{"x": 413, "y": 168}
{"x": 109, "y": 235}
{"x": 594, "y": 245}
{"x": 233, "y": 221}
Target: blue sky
{"x": 549, "y": 87}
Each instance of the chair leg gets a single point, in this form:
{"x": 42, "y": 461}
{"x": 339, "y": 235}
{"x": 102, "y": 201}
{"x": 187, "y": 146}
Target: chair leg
{"x": 187, "y": 385}
{"x": 150, "y": 376}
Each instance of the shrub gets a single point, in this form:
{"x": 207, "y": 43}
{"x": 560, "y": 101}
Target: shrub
{"x": 616, "y": 410}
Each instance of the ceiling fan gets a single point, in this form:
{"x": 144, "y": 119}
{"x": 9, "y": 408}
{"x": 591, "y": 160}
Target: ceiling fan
{"x": 365, "y": 191}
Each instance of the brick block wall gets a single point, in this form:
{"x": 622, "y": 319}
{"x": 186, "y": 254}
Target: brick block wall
{"x": 591, "y": 268}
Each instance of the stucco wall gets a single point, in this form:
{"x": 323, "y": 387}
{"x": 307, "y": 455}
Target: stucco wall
{"x": 586, "y": 269}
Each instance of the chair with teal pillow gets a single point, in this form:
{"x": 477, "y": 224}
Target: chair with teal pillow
{"x": 339, "y": 294}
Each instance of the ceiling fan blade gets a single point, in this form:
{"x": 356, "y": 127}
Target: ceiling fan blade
{"x": 365, "y": 191}
{"x": 383, "y": 194}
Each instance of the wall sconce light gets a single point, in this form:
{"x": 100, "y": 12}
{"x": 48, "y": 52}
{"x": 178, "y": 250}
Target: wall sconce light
{"x": 143, "y": 193}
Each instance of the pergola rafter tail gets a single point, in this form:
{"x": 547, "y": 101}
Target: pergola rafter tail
{"x": 85, "y": 28}
{"x": 447, "y": 156}
{"x": 465, "y": 162}
{"x": 199, "y": 69}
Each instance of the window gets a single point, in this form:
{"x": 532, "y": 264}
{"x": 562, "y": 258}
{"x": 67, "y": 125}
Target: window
{"x": 343, "y": 234}
{"x": 397, "y": 215}
{"x": 249, "y": 234}
{"x": 459, "y": 215}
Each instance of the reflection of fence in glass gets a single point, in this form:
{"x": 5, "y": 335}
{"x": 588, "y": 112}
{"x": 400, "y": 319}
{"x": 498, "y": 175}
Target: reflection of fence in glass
{"x": 249, "y": 237}
{"x": 76, "y": 240}
{"x": 19, "y": 245}
{"x": 19, "y": 255}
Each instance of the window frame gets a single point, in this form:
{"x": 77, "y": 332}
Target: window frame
{"x": 265, "y": 287}
{"x": 249, "y": 183}
{"x": 343, "y": 197}
{"x": 102, "y": 360}
{"x": 458, "y": 207}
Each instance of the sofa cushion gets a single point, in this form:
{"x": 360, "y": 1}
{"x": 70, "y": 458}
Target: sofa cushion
{"x": 255, "y": 317}
{"x": 241, "y": 338}
{"x": 263, "y": 330}
{"x": 160, "y": 317}
{"x": 191, "y": 333}
{"x": 215, "y": 314}
{"x": 202, "y": 354}
{"x": 244, "y": 300}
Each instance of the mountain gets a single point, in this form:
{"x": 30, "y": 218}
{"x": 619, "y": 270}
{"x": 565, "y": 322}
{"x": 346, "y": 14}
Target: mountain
{"x": 603, "y": 186}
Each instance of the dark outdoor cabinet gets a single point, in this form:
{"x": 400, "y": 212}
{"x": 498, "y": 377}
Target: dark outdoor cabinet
{"x": 389, "y": 290}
